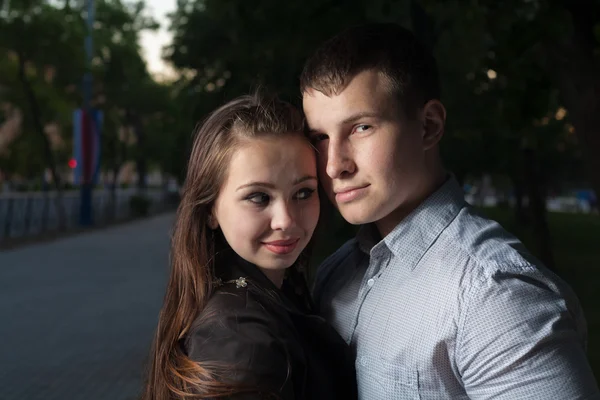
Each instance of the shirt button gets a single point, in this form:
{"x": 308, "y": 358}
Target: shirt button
{"x": 363, "y": 361}
{"x": 371, "y": 282}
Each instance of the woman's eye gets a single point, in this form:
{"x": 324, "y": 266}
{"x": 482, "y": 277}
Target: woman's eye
{"x": 362, "y": 128}
{"x": 304, "y": 194}
{"x": 260, "y": 199}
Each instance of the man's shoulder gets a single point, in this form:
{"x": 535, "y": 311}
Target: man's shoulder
{"x": 476, "y": 252}
{"x": 486, "y": 243}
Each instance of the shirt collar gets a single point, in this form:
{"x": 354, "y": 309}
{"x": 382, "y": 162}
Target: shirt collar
{"x": 415, "y": 234}
{"x": 367, "y": 237}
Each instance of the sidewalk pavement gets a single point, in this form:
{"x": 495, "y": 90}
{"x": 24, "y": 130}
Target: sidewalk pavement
{"x": 77, "y": 315}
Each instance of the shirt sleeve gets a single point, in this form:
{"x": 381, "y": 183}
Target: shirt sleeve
{"x": 242, "y": 345}
{"x": 520, "y": 338}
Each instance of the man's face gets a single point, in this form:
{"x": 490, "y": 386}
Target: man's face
{"x": 371, "y": 157}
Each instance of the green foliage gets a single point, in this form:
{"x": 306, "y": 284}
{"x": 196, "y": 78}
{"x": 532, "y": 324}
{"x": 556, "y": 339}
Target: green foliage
{"x": 230, "y": 46}
{"x": 226, "y": 47}
{"x": 24, "y": 156}
{"x": 500, "y": 95}
{"x": 48, "y": 37}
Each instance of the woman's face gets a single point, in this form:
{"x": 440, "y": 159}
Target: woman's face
{"x": 268, "y": 206}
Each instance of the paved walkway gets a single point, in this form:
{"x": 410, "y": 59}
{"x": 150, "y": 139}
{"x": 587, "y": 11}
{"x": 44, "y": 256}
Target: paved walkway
{"x": 77, "y": 315}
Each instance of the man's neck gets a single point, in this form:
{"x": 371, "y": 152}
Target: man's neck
{"x": 389, "y": 222}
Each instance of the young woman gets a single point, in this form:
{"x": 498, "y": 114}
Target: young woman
{"x": 236, "y": 320}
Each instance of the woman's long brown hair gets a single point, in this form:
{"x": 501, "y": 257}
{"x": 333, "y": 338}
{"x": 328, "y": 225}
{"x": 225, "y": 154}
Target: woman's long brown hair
{"x": 172, "y": 375}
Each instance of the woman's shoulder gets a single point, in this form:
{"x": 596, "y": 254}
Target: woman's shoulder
{"x": 230, "y": 295}
{"x": 237, "y": 332}
{"x": 235, "y": 312}
{"x": 232, "y": 298}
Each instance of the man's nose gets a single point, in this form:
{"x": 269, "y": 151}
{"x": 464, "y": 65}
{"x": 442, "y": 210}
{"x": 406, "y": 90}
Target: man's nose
{"x": 339, "y": 160}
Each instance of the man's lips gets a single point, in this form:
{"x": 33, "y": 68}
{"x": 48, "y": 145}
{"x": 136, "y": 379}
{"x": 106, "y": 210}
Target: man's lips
{"x": 281, "y": 246}
{"x": 346, "y": 195}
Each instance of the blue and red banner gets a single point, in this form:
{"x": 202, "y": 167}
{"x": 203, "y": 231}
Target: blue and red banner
{"x": 87, "y": 128}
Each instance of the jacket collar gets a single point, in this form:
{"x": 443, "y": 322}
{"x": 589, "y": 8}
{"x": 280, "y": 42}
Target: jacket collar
{"x": 293, "y": 295}
{"x": 233, "y": 267}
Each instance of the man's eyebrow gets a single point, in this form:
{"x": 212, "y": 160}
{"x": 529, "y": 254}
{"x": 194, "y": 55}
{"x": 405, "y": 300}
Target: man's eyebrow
{"x": 350, "y": 119}
{"x": 360, "y": 115}
{"x": 271, "y": 186}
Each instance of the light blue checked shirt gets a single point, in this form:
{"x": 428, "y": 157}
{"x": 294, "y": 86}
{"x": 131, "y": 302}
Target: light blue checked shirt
{"x": 450, "y": 306}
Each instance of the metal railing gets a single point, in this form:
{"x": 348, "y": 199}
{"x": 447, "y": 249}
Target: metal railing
{"x": 34, "y": 213}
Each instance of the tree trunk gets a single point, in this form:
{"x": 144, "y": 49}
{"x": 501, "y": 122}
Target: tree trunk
{"x": 140, "y": 155}
{"x": 113, "y": 192}
{"x": 39, "y": 128}
{"x": 120, "y": 152}
{"x": 140, "y": 160}
{"x": 537, "y": 205}
{"x": 9, "y": 216}
{"x": 521, "y": 217}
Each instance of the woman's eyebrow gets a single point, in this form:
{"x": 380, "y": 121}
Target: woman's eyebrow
{"x": 271, "y": 186}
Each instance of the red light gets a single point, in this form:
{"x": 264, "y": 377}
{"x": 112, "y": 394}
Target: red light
{"x": 72, "y": 163}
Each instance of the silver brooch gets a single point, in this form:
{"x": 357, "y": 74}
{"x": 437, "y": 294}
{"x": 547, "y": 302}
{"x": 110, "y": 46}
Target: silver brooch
{"x": 241, "y": 282}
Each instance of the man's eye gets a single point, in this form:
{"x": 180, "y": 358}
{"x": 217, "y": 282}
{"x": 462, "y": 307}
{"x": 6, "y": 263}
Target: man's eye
{"x": 304, "y": 194}
{"x": 260, "y": 199}
{"x": 362, "y": 128}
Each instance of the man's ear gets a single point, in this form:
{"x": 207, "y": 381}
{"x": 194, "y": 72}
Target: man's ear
{"x": 434, "y": 121}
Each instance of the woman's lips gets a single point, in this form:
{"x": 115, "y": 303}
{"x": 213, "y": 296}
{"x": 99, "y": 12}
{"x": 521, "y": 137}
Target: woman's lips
{"x": 281, "y": 246}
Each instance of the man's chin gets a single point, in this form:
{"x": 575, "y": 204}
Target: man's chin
{"x": 356, "y": 218}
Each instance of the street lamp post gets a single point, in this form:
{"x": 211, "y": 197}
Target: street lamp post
{"x": 87, "y": 123}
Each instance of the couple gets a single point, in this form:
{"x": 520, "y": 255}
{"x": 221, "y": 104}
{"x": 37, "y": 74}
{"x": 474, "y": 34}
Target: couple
{"x": 429, "y": 301}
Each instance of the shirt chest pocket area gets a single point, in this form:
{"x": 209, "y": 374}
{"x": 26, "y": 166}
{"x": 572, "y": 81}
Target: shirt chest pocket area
{"x": 382, "y": 379}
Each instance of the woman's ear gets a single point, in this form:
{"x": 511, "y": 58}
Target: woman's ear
{"x": 434, "y": 121}
{"x": 212, "y": 221}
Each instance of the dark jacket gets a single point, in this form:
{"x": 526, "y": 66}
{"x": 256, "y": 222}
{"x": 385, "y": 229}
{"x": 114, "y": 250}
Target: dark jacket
{"x": 268, "y": 339}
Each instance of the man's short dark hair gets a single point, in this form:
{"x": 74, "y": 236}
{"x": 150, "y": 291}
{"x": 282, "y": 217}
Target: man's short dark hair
{"x": 387, "y": 48}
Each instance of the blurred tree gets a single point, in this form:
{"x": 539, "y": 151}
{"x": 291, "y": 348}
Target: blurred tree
{"x": 496, "y": 53}
{"x": 227, "y": 47}
{"x": 502, "y": 104}
{"x": 40, "y": 35}
{"x": 42, "y": 62}
{"x": 123, "y": 81}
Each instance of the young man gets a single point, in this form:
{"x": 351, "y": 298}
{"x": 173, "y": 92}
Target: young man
{"x": 436, "y": 301}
